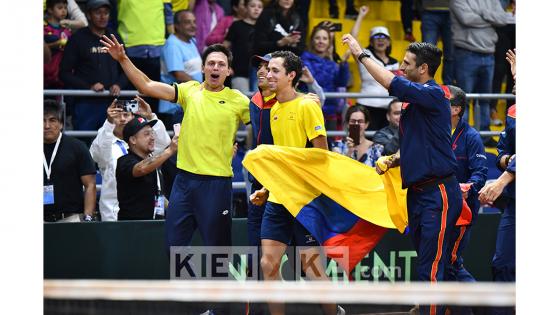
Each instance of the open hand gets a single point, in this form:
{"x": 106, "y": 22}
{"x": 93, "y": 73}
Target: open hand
{"x": 510, "y": 57}
{"x": 113, "y": 47}
{"x": 144, "y": 108}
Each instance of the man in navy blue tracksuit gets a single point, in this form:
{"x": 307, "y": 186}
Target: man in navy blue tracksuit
{"x": 503, "y": 263}
{"x": 427, "y": 161}
{"x": 471, "y": 172}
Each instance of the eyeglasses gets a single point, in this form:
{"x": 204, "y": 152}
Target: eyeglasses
{"x": 357, "y": 121}
{"x": 379, "y": 36}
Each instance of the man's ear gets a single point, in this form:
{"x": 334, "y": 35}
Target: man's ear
{"x": 292, "y": 75}
{"x": 423, "y": 68}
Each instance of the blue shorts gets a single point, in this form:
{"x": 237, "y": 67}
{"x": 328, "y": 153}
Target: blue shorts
{"x": 203, "y": 202}
{"x": 278, "y": 224}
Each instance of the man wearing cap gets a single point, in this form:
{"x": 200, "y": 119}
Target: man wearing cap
{"x": 139, "y": 182}
{"x": 86, "y": 66}
{"x": 428, "y": 165}
{"x": 108, "y": 146}
{"x": 379, "y": 48}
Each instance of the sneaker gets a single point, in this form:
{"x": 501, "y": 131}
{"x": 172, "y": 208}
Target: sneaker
{"x": 340, "y": 310}
{"x": 409, "y": 37}
{"x": 333, "y": 12}
{"x": 351, "y": 13}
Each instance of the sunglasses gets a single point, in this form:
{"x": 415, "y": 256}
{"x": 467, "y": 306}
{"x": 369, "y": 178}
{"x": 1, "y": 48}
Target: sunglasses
{"x": 379, "y": 36}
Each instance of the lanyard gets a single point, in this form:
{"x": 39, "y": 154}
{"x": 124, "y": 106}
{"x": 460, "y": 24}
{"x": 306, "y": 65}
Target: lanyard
{"x": 158, "y": 183}
{"x": 48, "y": 168}
{"x": 123, "y": 149}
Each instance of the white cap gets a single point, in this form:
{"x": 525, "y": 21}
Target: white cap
{"x": 379, "y": 30}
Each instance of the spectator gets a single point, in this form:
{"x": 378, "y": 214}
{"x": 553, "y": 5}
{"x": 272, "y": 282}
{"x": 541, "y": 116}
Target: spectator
{"x": 329, "y": 74}
{"x": 219, "y": 32}
{"x": 108, "y": 146}
{"x": 69, "y": 171}
{"x": 436, "y": 23}
{"x": 279, "y": 28}
{"x": 364, "y": 151}
{"x": 475, "y": 39}
{"x": 350, "y": 12}
{"x": 139, "y": 181}
{"x": 86, "y": 66}
{"x": 180, "y": 61}
{"x": 407, "y": 14}
{"x": 142, "y": 27}
{"x": 55, "y": 36}
{"x": 75, "y": 19}
{"x": 380, "y": 49}
{"x": 207, "y": 13}
{"x": 239, "y": 39}
{"x": 388, "y": 136}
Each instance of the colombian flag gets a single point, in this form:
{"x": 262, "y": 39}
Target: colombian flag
{"x": 342, "y": 202}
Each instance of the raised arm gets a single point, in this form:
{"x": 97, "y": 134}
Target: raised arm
{"x": 151, "y": 163}
{"x": 361, "y": 15}
{"x": 380, "y": 74}
{"x": 144, "y": 84}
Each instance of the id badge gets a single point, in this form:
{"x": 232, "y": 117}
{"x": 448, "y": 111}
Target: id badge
{"x": 48, "y": 195}
{"x": 159, "y": 207}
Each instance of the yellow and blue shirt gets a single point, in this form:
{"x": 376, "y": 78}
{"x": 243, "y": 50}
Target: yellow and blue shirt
{"x": 208, "y": 128}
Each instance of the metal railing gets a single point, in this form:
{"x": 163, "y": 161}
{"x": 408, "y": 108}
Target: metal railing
{"x": 132, "y": 93}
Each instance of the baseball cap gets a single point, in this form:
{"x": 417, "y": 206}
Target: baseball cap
{"x": 135, "y": 125}
{"x": 379, "y": 30}
{"x": 94, "y": 4}
{"x": 256, "y": 60}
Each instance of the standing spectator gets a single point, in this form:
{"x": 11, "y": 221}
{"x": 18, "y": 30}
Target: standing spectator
{"x": 349, "y": 13}
{"x": 139, "y": 181}
{"x": 219, "y": 32}
{"x": 207, "y": 13}
{"x": 436, "y": 23}
{"x": 380, "y": 49}
{"x": 407, "y": 14}
{"x": 142, "y": 27}
{"x": 240, "y": 39}
{"x": 506, "y": 41}
{"x": 55, "y": 36}
{"x": 388, "y": 136}
{"x": 471, "y": 173}
{"x": 329, "y": 74}
{"x": 108, "y": 146}
{"x": 69, "y": 171}
{"x": 279, "y": 28}
{"x": 180, "y": 61}
{"x": 425, "y": 156}
{"x": 475, "y": 39}
{"x": 86, "y": 66}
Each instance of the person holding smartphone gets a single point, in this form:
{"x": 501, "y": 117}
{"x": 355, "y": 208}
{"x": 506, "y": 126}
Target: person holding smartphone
{"x": 357, "y": 146}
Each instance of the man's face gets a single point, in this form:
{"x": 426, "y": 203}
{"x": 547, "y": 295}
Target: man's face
{"x": 123, "y": 119}
{"x": 277, "y": 77}
{"x": 99, "y": 17}
{"x": 58, "y": 11}
{"x": 144, "y": 140}
{"x": 261, "y": 76}
{"x": 52, "y": 127}
{"x": 216, "y": 69}
{"x": 394, "y": 115}
{"x": 187, "y": 25}
{"x": 409, "y": 68}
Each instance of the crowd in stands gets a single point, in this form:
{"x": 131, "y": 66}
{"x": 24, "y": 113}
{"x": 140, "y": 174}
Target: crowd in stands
{"x": 165, "y": 40}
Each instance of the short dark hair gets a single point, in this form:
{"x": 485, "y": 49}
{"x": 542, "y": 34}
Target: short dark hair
{"x": 354, "y": 109}
{"x": 393, "y": 101}
{"x": 217, "y": 48}
{"x": 52, "y": 3}
{"x": 54, "y": 108}
{"x": 178, "y": 13}
{"x": 291, "y": 63}
{"x": 426, "y": 53}
{"x": 458, "y": 98}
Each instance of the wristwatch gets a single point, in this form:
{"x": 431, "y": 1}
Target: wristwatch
{"x": 363, "y": 55}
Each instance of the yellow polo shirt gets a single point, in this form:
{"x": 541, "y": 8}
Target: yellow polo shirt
{"x": 208, "y": 128}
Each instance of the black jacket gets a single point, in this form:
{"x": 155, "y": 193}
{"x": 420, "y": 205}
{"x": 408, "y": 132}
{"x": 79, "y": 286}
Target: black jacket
{"x": 266, "y": 35}
{"x": 84, "y": 64}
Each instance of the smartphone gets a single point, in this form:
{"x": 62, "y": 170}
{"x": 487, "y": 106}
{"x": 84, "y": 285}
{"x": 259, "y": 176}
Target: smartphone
{"x": 354, "y": 131}
{"x": 177, "y": 128}
{"x": 128, "y": 105}
{"x": 336, "y": 27}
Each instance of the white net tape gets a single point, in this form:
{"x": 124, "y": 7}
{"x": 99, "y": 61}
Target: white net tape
{"x": 448, "y": 293}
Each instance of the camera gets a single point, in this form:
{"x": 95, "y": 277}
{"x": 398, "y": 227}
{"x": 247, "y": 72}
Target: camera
{"x": 128, "y": 105}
